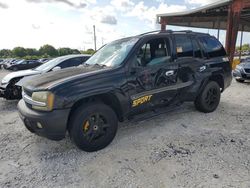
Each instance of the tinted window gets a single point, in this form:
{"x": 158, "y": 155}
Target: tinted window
{"x": 71, "y": 62}
{"x": 184, "y": 46}
{"x": 196, "y": 48}
{"x": 155, "y": 51}
{"x": 212, "y": 46}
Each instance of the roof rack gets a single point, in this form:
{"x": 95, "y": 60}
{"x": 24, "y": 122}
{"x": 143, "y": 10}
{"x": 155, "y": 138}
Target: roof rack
{"x": 160, "y": 31}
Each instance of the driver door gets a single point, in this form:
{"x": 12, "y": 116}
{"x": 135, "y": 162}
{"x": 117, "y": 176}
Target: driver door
{"x": 153, "y": 76}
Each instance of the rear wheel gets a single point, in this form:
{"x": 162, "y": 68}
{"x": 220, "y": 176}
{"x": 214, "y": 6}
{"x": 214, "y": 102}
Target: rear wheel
{"x": 239, "y": 80}
{"x": 209, "y": 99}
{"x": 93, "y": 126}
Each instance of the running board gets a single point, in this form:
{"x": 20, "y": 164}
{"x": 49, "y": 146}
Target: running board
{"x": 153, "y": 113}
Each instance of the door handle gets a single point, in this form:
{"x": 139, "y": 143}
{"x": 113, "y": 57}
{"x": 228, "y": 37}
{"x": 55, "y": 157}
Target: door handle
{"x": 169, "y": 73}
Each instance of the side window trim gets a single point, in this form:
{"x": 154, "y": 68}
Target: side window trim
{"x": 195, "y": 40}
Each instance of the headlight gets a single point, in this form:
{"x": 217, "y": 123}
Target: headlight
{"x": 44, "y": 100}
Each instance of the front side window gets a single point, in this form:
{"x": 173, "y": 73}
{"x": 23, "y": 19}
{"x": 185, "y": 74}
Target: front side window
{"x": 184, "y": 46}
{"x": 154, "y": 52}
{"x": 212, "y": 46}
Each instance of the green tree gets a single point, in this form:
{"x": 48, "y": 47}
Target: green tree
{"x": 48, "y": 50}
{"x": 245, "y": 47}
{"x": 31, "y": 52}
{"x": 75, "y": 51}
{"x": 5, "y": 53}
{"x": 19, "y": 52}
{"x": 64, "y": 51}
{"x": 88, "y": 51}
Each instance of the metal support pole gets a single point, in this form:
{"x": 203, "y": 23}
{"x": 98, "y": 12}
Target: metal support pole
{"x": 241, "y": 40}
{"x": 163, "y": 24}
{"x": 232, "y": 31}
{"x": 218, "y": 33}
{"x": 94, "y": 37}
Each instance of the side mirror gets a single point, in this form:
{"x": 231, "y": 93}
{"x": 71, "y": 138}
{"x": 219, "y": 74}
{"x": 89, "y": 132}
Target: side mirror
{"x": 56, "y": 68}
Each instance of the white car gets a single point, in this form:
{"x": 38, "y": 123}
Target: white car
{"x": 8, "y": 88}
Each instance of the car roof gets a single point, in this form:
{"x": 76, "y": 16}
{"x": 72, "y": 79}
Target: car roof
{"x": 65, "y": 57}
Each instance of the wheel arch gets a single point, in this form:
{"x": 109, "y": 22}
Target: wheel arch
{"x": 109, "y": 99}
{"x": 219, "y": 79}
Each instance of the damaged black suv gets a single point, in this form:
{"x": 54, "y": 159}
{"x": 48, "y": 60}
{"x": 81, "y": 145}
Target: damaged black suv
{"x": 131, "y": 78}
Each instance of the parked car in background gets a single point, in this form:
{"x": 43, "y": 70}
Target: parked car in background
{"x": 9, "y": 61}
{"x": 242, "y": 71}
{"x": 8, "y": 87}
{"x": 44, "y": 60}
{"x": 1, "y": 63}
{"x": 23, "y": 65}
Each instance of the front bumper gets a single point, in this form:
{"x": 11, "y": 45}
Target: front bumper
{"x": 241, "y": 75}
{"x": 54, "y": 123}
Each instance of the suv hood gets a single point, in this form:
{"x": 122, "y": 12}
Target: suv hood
{"x": 48, "y": 80}
{"x": 18, "y": 74}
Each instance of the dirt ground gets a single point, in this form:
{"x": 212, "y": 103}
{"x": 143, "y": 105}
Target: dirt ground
{"x": 183, "y": 148}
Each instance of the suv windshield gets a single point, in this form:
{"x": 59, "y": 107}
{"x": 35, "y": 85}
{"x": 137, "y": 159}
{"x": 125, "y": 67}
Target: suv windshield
{"x": 113, "y": 53}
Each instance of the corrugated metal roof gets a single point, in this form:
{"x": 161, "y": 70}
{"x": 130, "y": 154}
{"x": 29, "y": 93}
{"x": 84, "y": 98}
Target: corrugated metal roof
{"x": 212, "y": 16}
{"x": 201, "y": 9}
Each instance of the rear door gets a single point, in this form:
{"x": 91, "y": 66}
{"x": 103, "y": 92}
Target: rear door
{"x": 190, "y": 59}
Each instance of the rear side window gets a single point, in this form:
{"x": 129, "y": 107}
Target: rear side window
{"x": 212, "y": 46}
{"x": 184, "y": 47}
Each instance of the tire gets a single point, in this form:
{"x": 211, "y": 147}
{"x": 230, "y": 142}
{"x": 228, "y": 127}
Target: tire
{"x": 240, "y": 80}
{"x": 84, "y": 126}
{"x": 209, "y": 99}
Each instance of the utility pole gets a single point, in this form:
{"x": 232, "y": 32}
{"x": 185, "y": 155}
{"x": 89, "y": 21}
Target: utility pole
{"x": 94, "y": 37}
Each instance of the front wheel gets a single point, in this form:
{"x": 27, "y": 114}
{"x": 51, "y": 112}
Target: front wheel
{"x": 239, "y": 80}
{"x": 93, "y": 126}
{"x": 209, "y": 99}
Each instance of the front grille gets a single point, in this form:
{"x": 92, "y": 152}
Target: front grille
{"x": 247, "y": 70}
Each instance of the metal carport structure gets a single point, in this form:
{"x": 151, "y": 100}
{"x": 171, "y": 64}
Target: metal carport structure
{"x": 230, "y": 15}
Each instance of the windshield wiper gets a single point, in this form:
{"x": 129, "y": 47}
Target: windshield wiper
{"x": 94, "y": 65}
{"x": 100, "y": 65}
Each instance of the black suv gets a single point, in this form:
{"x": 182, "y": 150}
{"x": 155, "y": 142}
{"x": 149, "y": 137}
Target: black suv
{"x": 131, "y": 78}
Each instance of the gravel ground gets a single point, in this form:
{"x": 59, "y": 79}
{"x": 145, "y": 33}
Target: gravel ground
{"x": 183, "y": 148}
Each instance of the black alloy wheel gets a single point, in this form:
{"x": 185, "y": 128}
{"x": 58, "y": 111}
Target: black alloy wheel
{"x": 93, "y": 126}
{"x": 209, "y": 99}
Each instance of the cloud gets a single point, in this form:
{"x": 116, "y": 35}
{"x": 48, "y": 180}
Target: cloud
{"x": 122, "y": 5}
{"x": 3, "y": 5}
{"x": 80, "y": 4}
{"x": 200, "y": 2}
{"x": 148, "y": 14}
{"x": 108, "y": 19}
{"x": 35, "y": 26}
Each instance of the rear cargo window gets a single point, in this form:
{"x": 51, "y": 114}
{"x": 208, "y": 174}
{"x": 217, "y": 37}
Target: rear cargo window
{"x": 212, "y": 46}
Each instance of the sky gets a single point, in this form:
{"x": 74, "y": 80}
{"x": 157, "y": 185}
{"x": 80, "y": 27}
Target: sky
{"x": 69, "y": 23}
